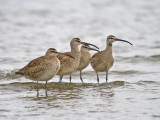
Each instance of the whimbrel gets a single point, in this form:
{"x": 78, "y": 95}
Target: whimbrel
{"x": 85, "y": 58}
{"x": 42, "y": 68}
{"x": 69, "y": 65}
{"x": 103, "y": 60}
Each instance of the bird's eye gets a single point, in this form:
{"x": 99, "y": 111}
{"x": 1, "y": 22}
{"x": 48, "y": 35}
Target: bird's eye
{"x": 77, "y": 40}
{"x": 54, "y": 51}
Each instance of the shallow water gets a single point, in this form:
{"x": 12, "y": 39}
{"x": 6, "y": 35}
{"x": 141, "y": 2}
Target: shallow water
{"x": 29, "y": 28}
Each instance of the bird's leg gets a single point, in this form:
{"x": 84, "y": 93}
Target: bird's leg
{"x": 81, "y": 76}
{"x": 60, "y": 78}
{"x": 70, "y": 77}
{"x": 46, "y": 94}
{"x": 37, "y": 90}
{"x": 106, "y": 76}
{"x": 45, "y": 86}
{"x": 97, "y": 78}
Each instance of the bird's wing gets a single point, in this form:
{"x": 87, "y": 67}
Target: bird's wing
{"x": 96, "y": 58}
{"x": 69, "y": 53}
{"x": 63, "y": 58}
{"x": 36, "y": 66}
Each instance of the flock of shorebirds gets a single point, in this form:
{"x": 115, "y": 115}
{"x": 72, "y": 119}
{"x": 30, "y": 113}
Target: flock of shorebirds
{"x": 54, "y": 63}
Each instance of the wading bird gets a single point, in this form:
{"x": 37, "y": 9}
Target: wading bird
{"x": 42, "y": 68}
{"x": 85, "y": 58}
{"x": 69, "y": 65}
{"x": 103, "y": 60}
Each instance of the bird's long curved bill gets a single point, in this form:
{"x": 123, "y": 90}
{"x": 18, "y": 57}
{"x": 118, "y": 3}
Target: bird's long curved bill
{"x": 93, "y": 49}
{"x": 66, "y": 55}
{"x": 123, "y": 41}
{"x": 84, "y": 43}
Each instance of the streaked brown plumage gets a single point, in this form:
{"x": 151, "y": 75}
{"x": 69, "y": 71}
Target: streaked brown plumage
{"x": 69, "y": 65}
{"x": 103, "y": 61}
{"x": 42, "y": 68}
{"x": 85, "y": 58}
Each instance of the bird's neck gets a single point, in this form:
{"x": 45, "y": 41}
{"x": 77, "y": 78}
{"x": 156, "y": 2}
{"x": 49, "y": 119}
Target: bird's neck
{"x": 74, "y": 49}
{"x": 75, "y": 52}
{"x": 109, "y": 47}
{"x": 84, "y": 51}
{"x": 50, "y": 56}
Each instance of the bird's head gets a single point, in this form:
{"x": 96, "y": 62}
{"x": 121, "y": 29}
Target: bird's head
{"x": 112, "y": 38}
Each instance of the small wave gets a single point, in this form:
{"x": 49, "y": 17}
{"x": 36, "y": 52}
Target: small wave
{"x": 155, "y": 56}
{"x": 156, "y": 116}
{"x": 128, "y": 72}
{"x": 62, "y": 86}
{"x": 138, "y": 58}
{"x": 113, "y": 84}
{"x": 147, "y": 82}
{"x": 8, "y": 74}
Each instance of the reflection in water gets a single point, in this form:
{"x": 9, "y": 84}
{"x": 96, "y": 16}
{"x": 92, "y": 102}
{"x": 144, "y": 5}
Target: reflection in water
{"x": 56, "y": 98}
{"x": 70, "y": 90}
{"x": 76, "y": 98}
{"x": 63, "y": 99}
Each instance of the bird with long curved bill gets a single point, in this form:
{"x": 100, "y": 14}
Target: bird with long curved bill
{"x": 103, "y": 60}
{"x": 85, "y": 58}
{"x": 43, "y": 68}
{"x": 68, "y": 65}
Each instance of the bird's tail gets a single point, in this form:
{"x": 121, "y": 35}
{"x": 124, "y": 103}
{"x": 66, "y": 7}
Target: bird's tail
{"x": 19, "y": 73}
